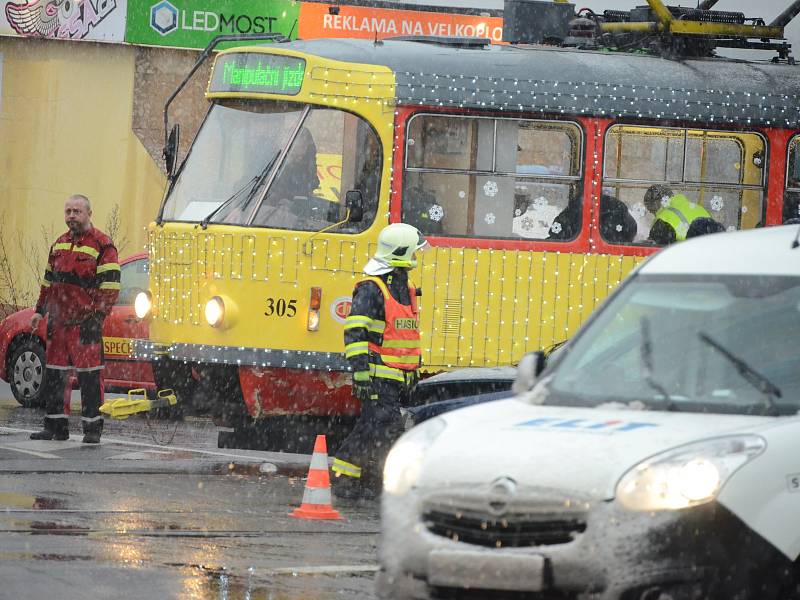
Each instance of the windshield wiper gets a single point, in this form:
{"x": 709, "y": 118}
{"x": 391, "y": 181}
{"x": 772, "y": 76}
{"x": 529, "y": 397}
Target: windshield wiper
{"x": 753, "y": 377}
{"x": 255, "y": 182}
{"x": 647, "y": 363}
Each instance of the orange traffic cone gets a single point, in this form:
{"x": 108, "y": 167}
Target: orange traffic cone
{"x": 317, "y": 495}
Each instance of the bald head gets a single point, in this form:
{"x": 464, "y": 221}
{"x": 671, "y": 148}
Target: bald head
{"x": 78, "y": 214}
{"x": 81, "y": 198}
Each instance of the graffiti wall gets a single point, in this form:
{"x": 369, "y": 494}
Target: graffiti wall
{"x": 98, "y": 20}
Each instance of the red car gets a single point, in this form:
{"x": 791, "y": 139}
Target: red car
{"x": 22, "y": 362}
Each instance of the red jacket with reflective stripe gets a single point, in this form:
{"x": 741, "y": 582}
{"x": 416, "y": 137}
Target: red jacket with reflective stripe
{"x": 82, "y": 277}
{"x": 401, "y": 336}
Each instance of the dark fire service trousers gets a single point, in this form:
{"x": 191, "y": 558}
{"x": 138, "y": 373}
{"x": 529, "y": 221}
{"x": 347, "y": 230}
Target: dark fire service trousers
{"x": 378, "y": 427}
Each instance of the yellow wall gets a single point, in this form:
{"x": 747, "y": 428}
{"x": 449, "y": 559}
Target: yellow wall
{"x": 65, "y": 127}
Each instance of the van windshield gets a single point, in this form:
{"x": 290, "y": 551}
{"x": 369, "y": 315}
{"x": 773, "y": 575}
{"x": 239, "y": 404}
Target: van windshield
{"x": 725, "y": 344}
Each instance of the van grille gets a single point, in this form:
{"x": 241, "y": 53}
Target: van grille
{"x": 511, "y": 531}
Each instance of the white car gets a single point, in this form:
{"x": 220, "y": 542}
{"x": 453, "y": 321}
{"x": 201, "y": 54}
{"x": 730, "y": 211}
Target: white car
{"x": 657, "y": 457}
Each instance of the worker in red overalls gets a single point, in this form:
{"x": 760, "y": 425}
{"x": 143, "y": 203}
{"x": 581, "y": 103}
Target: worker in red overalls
{"x": 382, "y": 346}
{"x": 80, "y": 286}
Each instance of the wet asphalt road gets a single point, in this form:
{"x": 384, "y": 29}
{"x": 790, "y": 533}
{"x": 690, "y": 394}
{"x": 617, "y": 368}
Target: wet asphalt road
{"x": 135, "y": 519}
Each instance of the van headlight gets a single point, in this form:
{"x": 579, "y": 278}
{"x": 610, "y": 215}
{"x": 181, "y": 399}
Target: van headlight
{"x": 404, "y": 462}
{"x": 142, "y": 304}
{"x": 686, "y": 476}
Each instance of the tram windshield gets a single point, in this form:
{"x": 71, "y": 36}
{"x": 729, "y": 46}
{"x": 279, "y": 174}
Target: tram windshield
{"x": 279, "y": 165}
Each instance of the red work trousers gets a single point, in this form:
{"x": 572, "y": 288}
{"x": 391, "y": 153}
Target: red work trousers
{"x": 67, "y": 350}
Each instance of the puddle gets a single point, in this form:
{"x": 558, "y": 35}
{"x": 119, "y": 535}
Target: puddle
{"x": 56, "y": 528}
{"x": 14, "y": 500}
{"x": 41, "y": 556}
{"x": 220, "y": 583}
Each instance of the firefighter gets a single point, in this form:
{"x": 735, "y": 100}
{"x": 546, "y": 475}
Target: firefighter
{"x": 80, "y": 286}
{"x": 673, "y": 214}
{"x": 382, "y": 346}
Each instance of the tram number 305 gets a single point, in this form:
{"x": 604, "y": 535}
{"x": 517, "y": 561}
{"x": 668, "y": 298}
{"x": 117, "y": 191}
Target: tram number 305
{"x": 280, "y": 307}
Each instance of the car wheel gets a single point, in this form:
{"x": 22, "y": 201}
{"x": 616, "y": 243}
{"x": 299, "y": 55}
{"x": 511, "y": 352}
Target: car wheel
{"x": 26, "y": 373}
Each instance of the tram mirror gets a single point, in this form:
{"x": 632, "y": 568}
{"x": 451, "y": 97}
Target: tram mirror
{"x": 355, "y": 204}
{"x": 171, "y": 149}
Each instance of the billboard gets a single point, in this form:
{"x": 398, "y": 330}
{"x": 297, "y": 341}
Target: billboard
{"x": 97, "y": 20}
{"x": 194, "y": 23}
{"x": 317, "y": 20}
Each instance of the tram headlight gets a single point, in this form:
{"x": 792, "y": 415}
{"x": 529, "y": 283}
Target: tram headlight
{"x": 142, "y": 304}
{"x": 215, "y": 311}
{"x": 221, "y": 312}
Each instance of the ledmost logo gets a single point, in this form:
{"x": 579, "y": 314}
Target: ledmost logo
{"x": 164, "y": 17}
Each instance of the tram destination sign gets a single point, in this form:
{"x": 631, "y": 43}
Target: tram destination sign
{"x": 258, "y": 72}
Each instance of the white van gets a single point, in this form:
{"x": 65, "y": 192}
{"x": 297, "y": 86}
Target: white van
{"x": 656, "y": 458}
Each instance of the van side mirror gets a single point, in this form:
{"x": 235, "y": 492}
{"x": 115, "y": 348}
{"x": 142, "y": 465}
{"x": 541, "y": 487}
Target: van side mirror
{"x": 171, "y": 149}
{"x": 354, "y": 202}
{"x": 528, "y": 371}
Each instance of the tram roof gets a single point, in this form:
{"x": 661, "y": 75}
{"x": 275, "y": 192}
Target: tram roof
{"x": 579, "y": 82}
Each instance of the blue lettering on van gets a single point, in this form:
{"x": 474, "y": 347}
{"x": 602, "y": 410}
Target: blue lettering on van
{"x": 612, "y": 426}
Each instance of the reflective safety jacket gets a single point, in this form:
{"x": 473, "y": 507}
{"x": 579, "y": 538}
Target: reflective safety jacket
{"x": 82, "y": 278}
{"x": 382, "y": 331}
{"x": 679, "y": 214}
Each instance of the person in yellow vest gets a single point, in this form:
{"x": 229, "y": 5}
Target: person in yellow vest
{"x": 673, "y": 214}
{"x": 382, "y": 347}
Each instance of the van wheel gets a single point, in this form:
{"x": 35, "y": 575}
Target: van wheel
{"x": 26, "y": 373}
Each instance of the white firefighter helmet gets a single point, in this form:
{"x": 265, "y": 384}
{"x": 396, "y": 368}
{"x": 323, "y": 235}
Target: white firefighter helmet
{"x": 397, "y": 244}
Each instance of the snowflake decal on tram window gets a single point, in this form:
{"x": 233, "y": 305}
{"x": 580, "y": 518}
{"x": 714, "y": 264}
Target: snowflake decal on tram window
{"x": 462, "y": 194}
{"x": 540, "y": 203}
{"x": 556, "y": 227}
{"x": 527, "y": 223}
{"x": 744, "y": 209}
{"x": 717, "y": 204}
{"x": 517, "y": 212}
{"x": 664, "y": 201}
{"x": 618, "y": 228}
{"x": 436, "y": 212}
{"x": 639, "y": 210}
{"x": 490, "y": 188}
{"x": 489, "y": 218}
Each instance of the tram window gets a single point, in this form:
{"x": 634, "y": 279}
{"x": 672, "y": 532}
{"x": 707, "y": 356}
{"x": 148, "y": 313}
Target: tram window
{"x": 542, "y": 148}
{"x": 506, "y": 178}
{"x": 236, "y": 140}
{"x": 458, "y": 143}
{"x": 333, "y": 152}
{"x": 720, "y": 173}
{"x": 791, "y": 197}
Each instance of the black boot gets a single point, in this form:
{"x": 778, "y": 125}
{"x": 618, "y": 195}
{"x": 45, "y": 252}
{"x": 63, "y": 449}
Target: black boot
{"x": 92, "y": 431}
{"x": 351, "y": 488}
{"x": 54, "y": 429}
